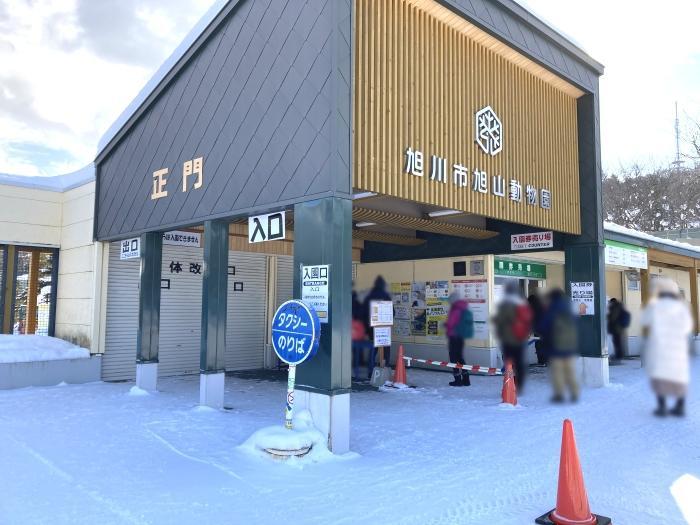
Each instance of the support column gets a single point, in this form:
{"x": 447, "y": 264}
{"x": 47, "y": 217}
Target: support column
{"x": 151, "y": 246}
{"x": 32, "y": 291}
{"x": 214, "y": 299}
{"x": 7, "y": 299}
{"x": 323, "y": 235}
{"x": 693, "y": 273}
{"x": 586, "y": 263}
{"x": 644, "y": 286}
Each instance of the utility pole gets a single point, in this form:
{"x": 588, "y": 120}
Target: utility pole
{"x": 678, "y": 162}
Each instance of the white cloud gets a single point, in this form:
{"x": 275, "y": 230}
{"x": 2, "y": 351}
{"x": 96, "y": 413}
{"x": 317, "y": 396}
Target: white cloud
{"x": 70, "y": 67}
{"x": 651, "y": 55}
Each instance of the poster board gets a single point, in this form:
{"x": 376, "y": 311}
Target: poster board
{"x": 381, "y": 313}
{"x": 475, "y": 292}
{"x": 583, "y": 298}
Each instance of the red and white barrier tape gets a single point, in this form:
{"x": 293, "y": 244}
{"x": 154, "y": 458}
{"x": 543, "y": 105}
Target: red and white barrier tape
{"x": 473, "y": 369}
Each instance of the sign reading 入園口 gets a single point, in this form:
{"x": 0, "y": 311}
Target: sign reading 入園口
{"x": 623, "y": 254}
{"x": 504, "y": 267}
{"x": 583, "y": 298}
{"x": 314, "y": 289}
{"x": 532, "y": 241}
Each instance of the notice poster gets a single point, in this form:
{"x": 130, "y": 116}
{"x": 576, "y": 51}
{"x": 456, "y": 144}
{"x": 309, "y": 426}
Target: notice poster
{"x": 382, "y": 336}
{"x": 314, "y": 289}
{"x": 475, "y": 292}
{"x": 436, "y": 315}
{"x": 381, "y": 313}
{"x": 583, "y": 298}
{"x": 403, "y": 313}
{"x": 418, "y": 312}
{"x": 437, "y": 291}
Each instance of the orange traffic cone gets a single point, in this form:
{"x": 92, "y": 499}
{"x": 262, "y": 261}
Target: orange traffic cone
{"x": 400, "y": 370}
{"x": 572, "y": 500}
{"x": 508, "y": 394}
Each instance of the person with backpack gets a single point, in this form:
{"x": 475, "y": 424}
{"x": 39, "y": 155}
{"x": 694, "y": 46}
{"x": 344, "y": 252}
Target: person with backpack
{"x": 458, "y": 327}
{"x": 559, "y": 328}
{"x": 513, "y": 323}
{"x": 618, "y": 322}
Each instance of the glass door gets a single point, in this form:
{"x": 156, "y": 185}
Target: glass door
{"x": 33, "y": 291}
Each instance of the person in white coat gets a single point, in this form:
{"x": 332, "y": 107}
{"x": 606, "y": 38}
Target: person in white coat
{"x": 668, "y": 325}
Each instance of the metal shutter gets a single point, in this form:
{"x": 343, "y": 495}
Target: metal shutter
{"x": 118, "y": 361}
{"x": 180, "y": 311}
{"x": 285, "y": 279}
{"x": 246, "y": 326}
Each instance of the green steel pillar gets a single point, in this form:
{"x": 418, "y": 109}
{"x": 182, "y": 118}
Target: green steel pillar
{"x": 214, "y": 299}
{"x": 151, "y": 248}
{"x": 323, "y": 235}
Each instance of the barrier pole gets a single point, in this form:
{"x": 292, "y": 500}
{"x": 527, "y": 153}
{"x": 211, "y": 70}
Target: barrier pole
{"x": 290, "y": 397}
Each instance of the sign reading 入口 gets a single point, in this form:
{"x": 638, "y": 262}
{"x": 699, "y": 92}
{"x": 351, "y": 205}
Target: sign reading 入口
{"x": 314, "y": 289}
{"x": 532, "y": 241}
{"x": 583, "y": 298}
{"x": 129, "y": 249}
{"x": 269, "y": 227}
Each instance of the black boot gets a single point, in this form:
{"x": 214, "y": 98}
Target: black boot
{"x": 661, "y": 411}
{"x": 465, "y": 379}
{"x": 457, "y": 381}
{"x": 679, "y": 409}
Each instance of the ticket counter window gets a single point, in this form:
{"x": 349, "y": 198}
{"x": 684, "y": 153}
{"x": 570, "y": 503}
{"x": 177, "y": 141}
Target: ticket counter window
{"x": 527, "y": 286}
{"x": 29, "y": 290}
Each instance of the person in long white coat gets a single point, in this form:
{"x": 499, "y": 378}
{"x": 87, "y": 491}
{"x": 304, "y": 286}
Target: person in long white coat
{"x": 668, "y": 324}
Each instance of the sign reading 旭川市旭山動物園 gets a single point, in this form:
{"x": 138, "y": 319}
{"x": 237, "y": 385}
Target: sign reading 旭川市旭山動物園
{"x": 504, "y": 267}
{"x": 623, "y": 254}
{"x": 295, "y": 332}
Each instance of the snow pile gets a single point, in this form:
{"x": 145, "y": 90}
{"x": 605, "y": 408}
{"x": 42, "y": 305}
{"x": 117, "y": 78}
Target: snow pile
{"x": 302, "y": 435}
{"x": 29, "y": 348}
{"x": 137, "y": 392}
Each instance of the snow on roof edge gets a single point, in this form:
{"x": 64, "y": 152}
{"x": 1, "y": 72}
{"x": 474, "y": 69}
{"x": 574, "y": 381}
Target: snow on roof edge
{"x": 160, "y": 74}
{"x": 616, "y": 228}
{"x": 57, "y": 183}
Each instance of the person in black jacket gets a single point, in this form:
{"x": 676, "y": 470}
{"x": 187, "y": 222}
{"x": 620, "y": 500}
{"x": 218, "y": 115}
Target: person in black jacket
{"x": 618, "y": 321}
{"x": 537, "y": 307}
{"x": 377, "y": 293}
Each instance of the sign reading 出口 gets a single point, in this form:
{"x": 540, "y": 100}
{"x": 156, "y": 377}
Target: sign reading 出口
{"x": 129, "y": 249}
{"x": 532, "y": 241}
{"x": 504, "y": 267}
{"x": 314, "y": 289}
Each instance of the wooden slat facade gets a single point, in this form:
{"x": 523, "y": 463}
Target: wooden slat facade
{"x": 421, "y": 74}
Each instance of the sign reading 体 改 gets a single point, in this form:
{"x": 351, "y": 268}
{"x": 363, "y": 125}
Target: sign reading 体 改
{"x": 314, "y": 289}
{"x": 295, "y": 332}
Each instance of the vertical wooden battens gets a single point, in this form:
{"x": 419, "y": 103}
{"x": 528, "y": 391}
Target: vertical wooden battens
{"x": 421, "y": 74}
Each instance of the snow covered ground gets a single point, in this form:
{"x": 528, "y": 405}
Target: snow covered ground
{"x": 26, "y": 348}
{"x": 432, "y": 455}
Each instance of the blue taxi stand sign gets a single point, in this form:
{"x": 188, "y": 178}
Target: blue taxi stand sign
{"x": 296, "y": 330}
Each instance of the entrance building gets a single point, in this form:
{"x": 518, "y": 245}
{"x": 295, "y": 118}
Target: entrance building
{"x": 423, "y": 129}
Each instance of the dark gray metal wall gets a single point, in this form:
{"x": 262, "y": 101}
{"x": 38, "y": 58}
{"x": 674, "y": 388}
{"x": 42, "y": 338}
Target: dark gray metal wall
{"x": 265, "y": 99}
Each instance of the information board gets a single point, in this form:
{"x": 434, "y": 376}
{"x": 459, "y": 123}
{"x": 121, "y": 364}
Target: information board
{"x": 622, "y": 254}
{"x": 382, "y": 336}
{"x": 381, "y": 313}
{"x": 583, "y": 298}
{"x": 314, "y": 289}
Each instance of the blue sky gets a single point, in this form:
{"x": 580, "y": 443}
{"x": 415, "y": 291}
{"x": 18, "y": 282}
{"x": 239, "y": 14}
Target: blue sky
{"x": 88, "y": 59}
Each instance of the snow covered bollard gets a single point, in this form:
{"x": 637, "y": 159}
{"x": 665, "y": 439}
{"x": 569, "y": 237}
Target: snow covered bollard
{"x": 278, "y": 442}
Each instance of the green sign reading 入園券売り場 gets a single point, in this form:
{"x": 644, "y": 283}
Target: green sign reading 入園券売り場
{"x": 508, "y": 268}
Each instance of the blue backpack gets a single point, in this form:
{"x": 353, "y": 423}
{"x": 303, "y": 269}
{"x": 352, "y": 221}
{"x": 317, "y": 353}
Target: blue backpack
{"x": 465, "y": 327}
